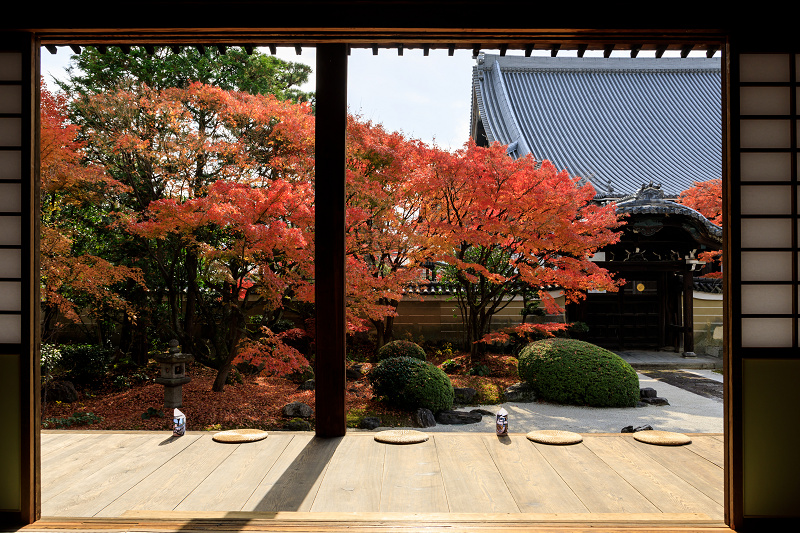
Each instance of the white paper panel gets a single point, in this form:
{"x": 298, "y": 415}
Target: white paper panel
{"x": 10, "y": 263}
{"x": 764, "y": 133}
{"x": 10, "y": 99}
{"x": 10, "y": 164}
{"x": 10, "y": 328}
{"x": 10, "y": 66}
{"x": 766, "y": 167}
{"x": 10, "y": 296}
{"x": 10, "y": 199}
{"x": 10, "y": 132}
{"x": 10, "y": 230}
{"x": 767, "y": 332}
{"x": 766, "y": 233}
{"x": 766, "y": 266}
{"x": 764, "y": 101}
{"x": 766, "y": 200}
{"x": 767, "y": 299}
{"x": 763, "y": 67}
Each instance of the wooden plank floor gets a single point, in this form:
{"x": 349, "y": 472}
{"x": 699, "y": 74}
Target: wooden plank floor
{"x": 128, "y": 474}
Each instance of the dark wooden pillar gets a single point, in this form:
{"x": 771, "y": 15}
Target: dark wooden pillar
{"x": 688, "y": 313}
{"x": 331, "y": 124}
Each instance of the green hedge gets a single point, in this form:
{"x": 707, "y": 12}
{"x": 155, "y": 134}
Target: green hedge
{"x": 409, "y": 383}
{"x": 401, "y": 349}
{"x": 574, "y": 372}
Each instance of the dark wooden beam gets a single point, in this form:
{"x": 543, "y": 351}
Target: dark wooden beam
{"x": 529, "y": 49}
{"x": 248, "y": 49}
{"x": 607, "y": 49}
{"x": 374, "y": 49}
{"x": 102, "y": 48}
{"x": 222, "y": 49}
{"x": 273, "y": 49}
{"x": 331, "y": 124}
{"x": 426, "y": 49}
{"x": 400, "y": 49}
{"x": 200, "y": 49}
{"x": 688, "y": 313}
{"x": 75, "y": 48}
{"x": 476, "y": 49}
{"x": 711, "y": 50}
{"x": 582, "y": 49}
{"x": 125, "y": 48}
{"x": 503, "y": 49}
{"x": 175, "y": 49}
{"x": 451, "y": 50}
{"x": 635, "y": 49}
{"x": 660, "y": 49}
{"x": 554, "y": 50}
{"x": 150, "y": 49}
{"x": 685, "y": 49}
{"x": 53, "y": 49}
{"x": 298, "y": 49}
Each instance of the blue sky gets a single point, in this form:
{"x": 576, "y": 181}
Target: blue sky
{"x": 424, "y": 97}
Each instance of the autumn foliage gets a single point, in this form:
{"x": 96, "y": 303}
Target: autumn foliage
{"x": 705, "y": 197}
{"x": 199, "y": 205}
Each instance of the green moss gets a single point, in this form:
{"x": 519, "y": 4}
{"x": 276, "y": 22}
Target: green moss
{"x": 409, "y": 383}
{"x": 401, "y": 348}
{"x": 574, "y": 372}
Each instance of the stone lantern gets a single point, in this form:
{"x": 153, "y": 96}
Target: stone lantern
{"x": 173, "y": 374}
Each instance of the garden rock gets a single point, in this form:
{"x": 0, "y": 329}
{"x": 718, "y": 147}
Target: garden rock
{"x": 308, "y": 384}
{"x": 463, "y": 395}
{"x": 297, "y": 410}
{"x": 369, "y": 422}
{"x": 631, "y": 429}
{"x": 297, "y": 424}
{"x": 458, "y": 417}
{"x": 647, "y": 392}
{"x": 520, "y": 392}
{"x": 482, "y": 412}
{"x": 59, "y": 391}
{"x": 423, "y": 418}
{"x": 354, "y": 372}
{"x": 655, "y": 401}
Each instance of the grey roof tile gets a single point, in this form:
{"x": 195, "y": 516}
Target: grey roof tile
{"x": 620, "y": 120}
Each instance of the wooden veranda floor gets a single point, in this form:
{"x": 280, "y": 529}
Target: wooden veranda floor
{"x": 135, "y": 475}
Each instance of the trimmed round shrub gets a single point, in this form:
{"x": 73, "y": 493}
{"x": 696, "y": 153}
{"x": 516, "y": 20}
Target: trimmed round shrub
{"x": 575, "y": 372}
{"x": 401, "y": 349}
{"x": 409, "y": 383}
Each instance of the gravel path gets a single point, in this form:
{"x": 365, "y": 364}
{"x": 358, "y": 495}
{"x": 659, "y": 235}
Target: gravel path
{"x": 687, "y": 413}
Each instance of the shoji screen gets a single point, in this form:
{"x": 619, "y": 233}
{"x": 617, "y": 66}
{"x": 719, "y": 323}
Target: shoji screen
{"x": 17, "y": 286}
{"x": 764, "y": 258}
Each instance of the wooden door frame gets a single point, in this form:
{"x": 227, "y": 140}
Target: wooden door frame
{"x": 334, "y": 287}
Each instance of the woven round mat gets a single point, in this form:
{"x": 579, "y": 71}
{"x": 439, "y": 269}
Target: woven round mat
{"x": 240, "y": 435}
{"x": 662, "y": 438}
{"x": 554, "y": 436}
{"x": 401, "y": 436}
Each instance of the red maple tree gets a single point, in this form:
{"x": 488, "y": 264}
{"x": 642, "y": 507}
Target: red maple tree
{"x": 706, "y": 198}
{"x": 504, "y": 225}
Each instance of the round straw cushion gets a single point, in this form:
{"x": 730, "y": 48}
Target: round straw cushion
{"x": 554, "y": 436}
{"x": 401, "y": 436}
{"x": 240, "y": 435}
{"x": 662, "y": 438}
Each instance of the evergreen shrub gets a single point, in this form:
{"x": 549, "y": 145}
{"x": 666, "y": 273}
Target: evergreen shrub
{"x": 570, "y": 371}
{"x": 401, "y": 348}
{"x": 409, "y": 383}
{"x": 83, "y": 363}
